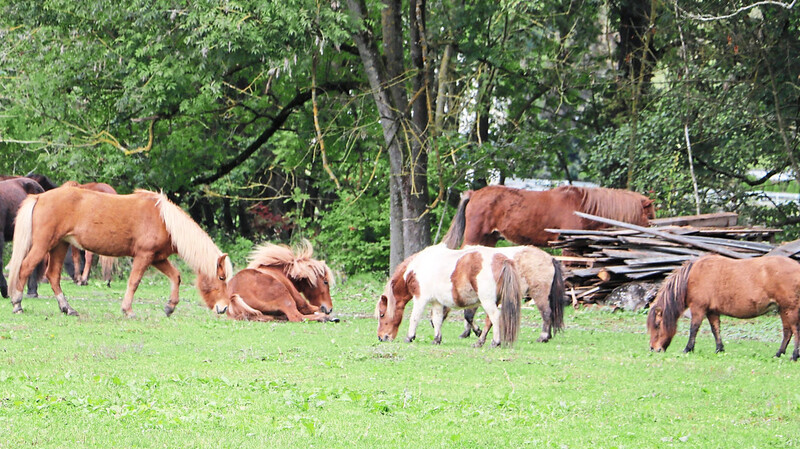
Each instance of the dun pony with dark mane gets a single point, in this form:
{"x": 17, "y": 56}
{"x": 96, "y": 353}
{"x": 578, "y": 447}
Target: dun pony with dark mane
{"x": 144, "y": 225}
{"x": 714, "y": 285}
{"x": 454, "y": 279}
{"x": 275, "y": 282}
{"x": 521, "y": 216}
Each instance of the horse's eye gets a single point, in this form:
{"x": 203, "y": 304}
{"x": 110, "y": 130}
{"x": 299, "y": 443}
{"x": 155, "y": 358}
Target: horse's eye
{"x": 382, "y": 315}
{"x": 325, "y": 282}
{"x": 222, "y": 278}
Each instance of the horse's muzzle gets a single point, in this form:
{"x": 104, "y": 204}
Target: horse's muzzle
{"x": 220, "y": 310}
{"x": 325, "y": 310}
{"x": 385, "y": 337}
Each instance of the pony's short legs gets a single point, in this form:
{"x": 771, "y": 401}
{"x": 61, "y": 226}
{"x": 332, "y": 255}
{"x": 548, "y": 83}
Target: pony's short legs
{"x": 469, "y": 323}
{"x": 76, "y": 263}
{"x": 416, "y": 315}
{"x": 87, "y": 267}
{"x": 26, "y": 269}
{"x": 790, "y": 321}
{"x": 437, "y": 316}
{"x": 138, "y": 268}
{"x": 166, "y": 267}
{"x": 303, "y": 306}
{"x": 713, "y": 320}
{"x": 54, "y": 267}
{"x": 544, "y": 310}
{"x": 796, "y": 353}
{"x": 487, "y": 326}
{"x": 697, "y": 318}
{"x": 493, "y": 315}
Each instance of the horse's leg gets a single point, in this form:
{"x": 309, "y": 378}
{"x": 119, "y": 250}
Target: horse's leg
{"x": 796, "y": 327}
{"x": 138, "y": 268}
{"x": 697, "y": 318}
{"x": 487, "y": 326}
{"x": 57, "y": 255}
{"x": 713, "y": 320}
{"x": 166, "y": 267}
{"x": 543, "y": 305}
{"x": 76, "y": 264}
{"x": 416, "y": 315}
{"x": 3, "y": 285}
{"x": 493, "y": 313}
{"x": 437, "y": 316}
{"x": 27, "y": 268}
{"x": 789, "y": 320}
{"x": 87, "y": 267}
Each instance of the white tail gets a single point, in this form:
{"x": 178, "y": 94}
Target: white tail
{"x": 23, "y": 239}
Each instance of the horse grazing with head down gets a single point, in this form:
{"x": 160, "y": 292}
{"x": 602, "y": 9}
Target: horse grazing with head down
{"x": 521, "y": 216}
{"x": 715, "y": 285}
{"x": 13, "y": 191}
{"x": 144, "y": 225}
{"x": 106, "y": 262}
{"x": 454, "y": 279}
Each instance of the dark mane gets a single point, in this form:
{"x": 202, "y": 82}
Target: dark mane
{"x": 671, "y": 299}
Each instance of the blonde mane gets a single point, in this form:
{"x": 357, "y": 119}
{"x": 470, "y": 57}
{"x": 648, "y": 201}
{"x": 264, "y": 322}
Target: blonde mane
{"x": 192, "y": 243}
{"x": 617, "y": 204}
{"x": 297, "y": 264}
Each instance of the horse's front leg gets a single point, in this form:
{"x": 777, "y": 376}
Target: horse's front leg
{"x": 138, "y": 268}
{"x": 789, "y": 319}
{"x": 169, "y": 270}
{"x": 697, "y": 319}
{"x": 796, "y": 353}
{"x": 713, "y": 320}
{"x": 416, "y": 315}
{"x": 437, "y": 317}
{"x": 57, "y": 256}
{"x": 3, "y": 284}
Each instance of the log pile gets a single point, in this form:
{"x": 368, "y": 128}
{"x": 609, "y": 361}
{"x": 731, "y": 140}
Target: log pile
{"x": 597, "y": 262}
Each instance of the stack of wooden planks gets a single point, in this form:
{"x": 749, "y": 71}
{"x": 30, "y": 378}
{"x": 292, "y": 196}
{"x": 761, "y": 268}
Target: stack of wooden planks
{"x": 596, "y": 262}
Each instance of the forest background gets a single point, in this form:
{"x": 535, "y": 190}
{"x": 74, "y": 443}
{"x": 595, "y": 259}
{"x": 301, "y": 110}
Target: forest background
{"x": 357, "y": 123}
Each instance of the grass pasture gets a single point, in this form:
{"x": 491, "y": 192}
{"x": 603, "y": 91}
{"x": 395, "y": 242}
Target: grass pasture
{"x": 198, "y": 380}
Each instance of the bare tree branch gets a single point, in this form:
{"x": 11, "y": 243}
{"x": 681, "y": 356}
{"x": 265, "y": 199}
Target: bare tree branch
{"x": 706, "y": 18}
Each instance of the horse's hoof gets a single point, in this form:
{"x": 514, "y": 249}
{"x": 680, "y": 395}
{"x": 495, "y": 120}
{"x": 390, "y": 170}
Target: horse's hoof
{"x": 333, "y": 320}
{"x": 495, "y": 344}
{"x": 32, "y": 295}
{"x": 409, "y": 339}
{"x": 127, "y": 314}
{"x": 477, "y": 332}
{"x": 437, "y": 340}
{"x": 17, "y": 309}
{"x": 168, "y": 310}
{"x": 69, "y": 311}
{"x": 478, "y": 344}
{"x": 542, "y": 340}
{"x": 465, "y": 334}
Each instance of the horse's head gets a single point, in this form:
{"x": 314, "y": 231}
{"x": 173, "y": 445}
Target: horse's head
{"x": 660, "y": 334}
{"x": 214, "y": 290}
{"x": 648, "y": 210}
{"x": 317, "y": 289}
{"x": 389, "y": 312}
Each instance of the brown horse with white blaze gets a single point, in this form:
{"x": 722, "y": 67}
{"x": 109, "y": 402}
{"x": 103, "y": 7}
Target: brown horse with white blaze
{"x": 522, "y": 216}
{"x": 454, "y": 279}
{"x": 144, "y": 225}
{"x": 715, "y": 285}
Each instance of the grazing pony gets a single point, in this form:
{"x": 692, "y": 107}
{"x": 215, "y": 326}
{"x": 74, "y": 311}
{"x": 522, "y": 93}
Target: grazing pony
{"x": 309, "y": 276}
{"x": 454, "y": 279}
{"x": 13, "y": 191}
{"x": 521, "y": 216}
{"x": 715, "y": 285}
{"x": 144, "y": 225}
{"x": 107, "y": 263}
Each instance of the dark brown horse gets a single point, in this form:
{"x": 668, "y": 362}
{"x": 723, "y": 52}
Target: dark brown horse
{"x": 144, "y": 225}
{"x": 12, "y": 192}
{"x": 106, "y": 262}
{"x": 520, "y": 216}
{"x": 716, "y": 285}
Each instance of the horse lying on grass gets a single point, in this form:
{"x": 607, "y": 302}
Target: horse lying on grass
{"x": 714, "y": 285}
{"x": 144, "y": 225}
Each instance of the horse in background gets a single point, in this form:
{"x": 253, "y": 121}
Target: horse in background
{"x": 13, "y": 192}
{"x": 106, "y": 262}
{"x": 144, "y": 225}
{"x": 42, "y": 180}
{"x": 454, "y": 279}
{"x": 282, "y": 284}
{"x": 715, "y": 285}
{"x": 522, "y": 216}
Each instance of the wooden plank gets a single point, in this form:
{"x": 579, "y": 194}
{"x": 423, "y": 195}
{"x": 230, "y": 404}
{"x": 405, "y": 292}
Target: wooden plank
{"x": 656, "y": 260}
{"x": 645, "y": 274}
{"x": 667, "y": 236}
{"x": 624, "y": 269}
{"x": 718, "y": 219}
{"x": 632, "y": 253}
{"x": 787, "y": 249}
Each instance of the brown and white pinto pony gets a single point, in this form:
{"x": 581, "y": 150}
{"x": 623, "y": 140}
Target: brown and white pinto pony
{"x": 107, "y": 263}
{"x": 144, "y": 225}
{"x": 521, "y": 216}
{"x": 455, "y": 279}
{"x": 715, "y": 285}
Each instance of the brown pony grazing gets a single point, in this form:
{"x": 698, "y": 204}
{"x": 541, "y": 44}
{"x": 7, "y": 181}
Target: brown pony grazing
{"x": 714, "y": 285}
{"x": 12, "y": 192}
{"x": 521, "y": 216}
{"x": 309, "y": 276}
{"x": 257, "y": 295}
{"x": 144, "y": 225}
{"x": 106, "y": 262}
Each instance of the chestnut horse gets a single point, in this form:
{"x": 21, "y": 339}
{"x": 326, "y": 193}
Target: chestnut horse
{"x": 521, "y": 216}
{"x": 454, "y": 279}
{"x": 715, "y": 285}
{"x": 541, "y": 281}
{"x": 13, "y": 191}
{"x": 144, "y": 225}
{"x": 106, "y": 262}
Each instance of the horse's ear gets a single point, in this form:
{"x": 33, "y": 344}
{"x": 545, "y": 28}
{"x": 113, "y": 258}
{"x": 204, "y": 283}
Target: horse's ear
{"x": 658, "y": 313}
{"x": 221, "y": 273}
{"x": 647, "y": 202}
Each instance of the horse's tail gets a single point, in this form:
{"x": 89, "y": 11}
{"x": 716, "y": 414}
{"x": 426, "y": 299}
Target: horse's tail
{"x": 455, "y": 235}
{"x": 510, "y": 295}
{"x": 23, "y": 240}
{"x": 192, "y": 243}
{"x": 107, "y": 263}
{"x": 557, "y": 294}
{"x": 670, "y": 301}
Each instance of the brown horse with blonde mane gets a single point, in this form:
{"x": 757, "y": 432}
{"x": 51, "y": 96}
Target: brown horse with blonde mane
{"x": 715, "y": 285}
{"x": 281, "y": 284}
{"x": 144, "y": 225}
{"x": 107, "y": 263}
{"x": 521, "y": 216}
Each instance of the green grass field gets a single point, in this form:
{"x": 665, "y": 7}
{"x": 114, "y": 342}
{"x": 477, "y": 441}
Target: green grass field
{"x": 202, "y": 381}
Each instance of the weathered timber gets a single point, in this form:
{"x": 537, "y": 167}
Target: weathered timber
{"x": 787, "y": 249}
{"x": 718, "y": 219}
